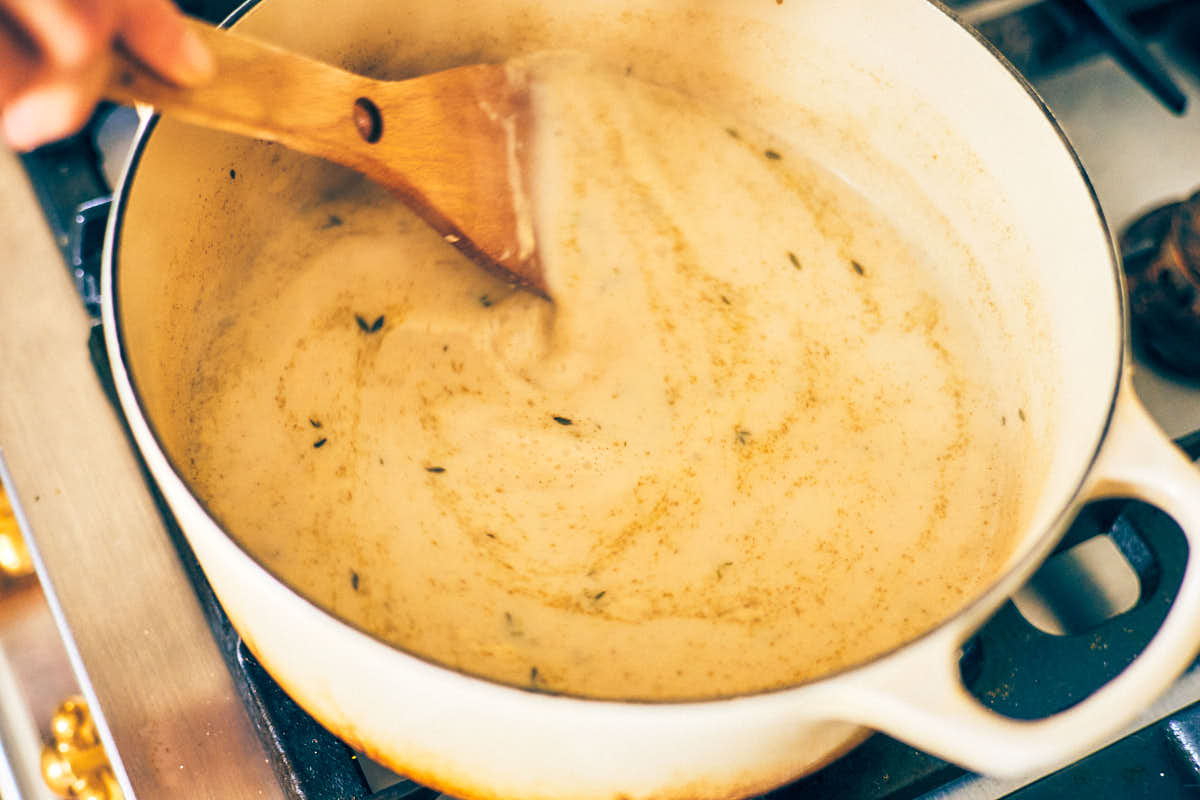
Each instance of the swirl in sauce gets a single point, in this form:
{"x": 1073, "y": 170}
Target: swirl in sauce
{"x": 749, "y": 443}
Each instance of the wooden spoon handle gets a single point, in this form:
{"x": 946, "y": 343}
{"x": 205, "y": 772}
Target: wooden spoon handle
{"x": 451, "y": 143}
{"x": 261, "y": 91}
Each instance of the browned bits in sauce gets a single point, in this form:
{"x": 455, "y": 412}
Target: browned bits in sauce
{"x": 320, "y": 442}
{"x": 772, "y": 154}
{"x": 708, "y": 527}
{"x": 858, "y": 268}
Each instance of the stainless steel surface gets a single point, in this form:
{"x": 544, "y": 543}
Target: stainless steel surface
{"x": 144, "y": 655}
{"x": 34, "y": 675}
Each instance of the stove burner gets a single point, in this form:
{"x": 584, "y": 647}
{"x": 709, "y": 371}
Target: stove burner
{"x": 1161, "y": 253}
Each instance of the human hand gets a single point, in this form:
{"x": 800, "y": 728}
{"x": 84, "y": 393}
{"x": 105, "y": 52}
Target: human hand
{"x": 55, "y": 58}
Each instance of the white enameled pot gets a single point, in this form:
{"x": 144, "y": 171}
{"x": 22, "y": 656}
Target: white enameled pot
{"x": 903, "y": 102}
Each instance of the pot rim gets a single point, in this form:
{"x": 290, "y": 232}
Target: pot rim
{"x": 979, "y": 608}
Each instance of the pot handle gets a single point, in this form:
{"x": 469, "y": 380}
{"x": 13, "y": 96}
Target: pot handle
{"x": 917, "y": 694}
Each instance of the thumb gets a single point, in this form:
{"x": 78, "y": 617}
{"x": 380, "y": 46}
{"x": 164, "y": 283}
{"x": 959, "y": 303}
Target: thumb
{"x": 154, "y": 32}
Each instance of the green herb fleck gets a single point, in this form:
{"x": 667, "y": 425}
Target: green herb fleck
{"x": 435, "y": 470}
{"x": 354, "y": 580}
{"x": 233, "y": 174}
{"x": 772, "y": 154}
{"x": 857, "y": 267}
{"x": 333, "y": 221}
{"x": 319, "y": 442}
{"x": 368, "y": 327}
{"x": 563, "y": 420}
{"x": 598, "y": 595}
{"x": 792, "y": 258}
{"x": 1021, "y": 414}
{"x": 316, "y": 423}
{"x": 743, "y": 435}
{"x": 485, "y": 301}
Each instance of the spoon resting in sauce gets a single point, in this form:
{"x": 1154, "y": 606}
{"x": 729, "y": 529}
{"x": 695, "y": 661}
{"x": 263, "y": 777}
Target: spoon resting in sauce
{"x": 451, "y": 144}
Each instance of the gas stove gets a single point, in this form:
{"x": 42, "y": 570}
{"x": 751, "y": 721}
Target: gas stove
{"x": 183, "y": 709}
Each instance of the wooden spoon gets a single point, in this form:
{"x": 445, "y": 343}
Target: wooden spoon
{"x": 451, "y": 144}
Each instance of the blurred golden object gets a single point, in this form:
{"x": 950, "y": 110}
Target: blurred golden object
{"x": 15, "y": 561}
{"x": 74, "y": 764}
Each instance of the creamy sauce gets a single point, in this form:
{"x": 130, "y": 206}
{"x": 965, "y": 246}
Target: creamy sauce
{"x": 751, "y": 441}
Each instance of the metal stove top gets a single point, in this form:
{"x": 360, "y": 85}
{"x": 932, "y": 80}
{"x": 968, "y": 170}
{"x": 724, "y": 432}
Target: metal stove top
{"x": 187, "y": 712}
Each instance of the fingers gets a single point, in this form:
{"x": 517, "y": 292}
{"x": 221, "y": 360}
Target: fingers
{"x": 48, "y": 90}
{"x": 66, "y": 34}
{"x": 19, "y": 60}
{"x": 54, "y": 59}
{"x": 53, "y": 110}
{"x": 155, "y": 33}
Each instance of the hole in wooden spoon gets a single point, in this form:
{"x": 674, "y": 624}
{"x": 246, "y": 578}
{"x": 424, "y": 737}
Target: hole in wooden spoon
{"x": 368, "y": 120}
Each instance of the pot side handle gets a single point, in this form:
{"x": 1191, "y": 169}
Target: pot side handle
{"x": 917, "y": 694}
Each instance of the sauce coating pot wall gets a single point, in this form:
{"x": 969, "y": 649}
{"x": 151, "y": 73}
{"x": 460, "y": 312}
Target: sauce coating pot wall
{"x": 903, "y": 103}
